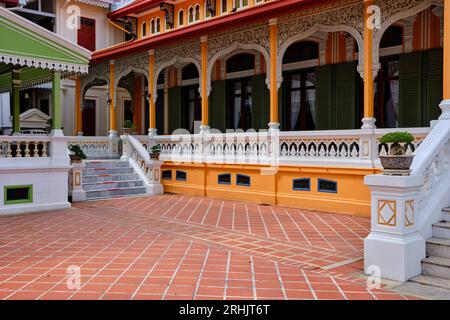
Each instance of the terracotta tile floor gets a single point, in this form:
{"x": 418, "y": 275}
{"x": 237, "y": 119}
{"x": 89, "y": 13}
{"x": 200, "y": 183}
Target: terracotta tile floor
{"x": 180, "y": 247}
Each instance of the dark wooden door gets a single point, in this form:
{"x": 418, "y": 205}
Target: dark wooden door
{"x": 89, "y": 118}
{"x": 86, "y": 34}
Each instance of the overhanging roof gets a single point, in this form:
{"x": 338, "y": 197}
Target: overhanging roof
{"x": 24, "y": 43}
{"x": 257, "y": 13}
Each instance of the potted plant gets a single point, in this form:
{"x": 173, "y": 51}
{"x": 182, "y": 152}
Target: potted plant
{"x": 76, "y": 154}
{"x": 128, "y": 127}
{"x": 397, "y": 161}
{"x": 155, "y": 151}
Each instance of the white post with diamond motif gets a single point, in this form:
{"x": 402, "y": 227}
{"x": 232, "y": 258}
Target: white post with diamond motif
{"x": 394, "y": 245}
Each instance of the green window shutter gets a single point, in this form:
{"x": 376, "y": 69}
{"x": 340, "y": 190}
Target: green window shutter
{"x": 217, "y": 106}
{"x": 324, "y": 97}
{"x": 410, "y": 101}
{"x": 433, "y": 85}
{"x": 281, "y": 106}
{"x": 345, "y": 92}
{"x": 260, "y": 102}
{"x": 175, "y": 110}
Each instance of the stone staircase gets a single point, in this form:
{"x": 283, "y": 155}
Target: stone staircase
{"x": 436, "y": 266}
{"x": 111, "y": 178}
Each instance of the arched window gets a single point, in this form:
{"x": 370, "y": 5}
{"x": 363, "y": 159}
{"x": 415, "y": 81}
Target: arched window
{"x": 300, "y": 88}
{"x": 224, "y": 6}
{"x": 241, "y": 62}
{"x": 197, "y": 12}
{"x": 152, "y": 27}
{"x": 180, "y": 17}
{"x": 207, "y": 13}
{"x": 301, "y": 51}
{"x": 191, "y": 15}
{"x": 144, "y": 29}
{"x": 158, "y": 25}
{"x": 191, "y": 102}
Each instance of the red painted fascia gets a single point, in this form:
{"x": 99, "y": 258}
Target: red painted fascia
{"x": 250, "y": 15}
{"x": 134, "y": 8}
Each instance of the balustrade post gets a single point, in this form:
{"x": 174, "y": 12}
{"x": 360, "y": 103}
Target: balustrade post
{"x": 394, "y": 245}
{"x": 76, "y": 182}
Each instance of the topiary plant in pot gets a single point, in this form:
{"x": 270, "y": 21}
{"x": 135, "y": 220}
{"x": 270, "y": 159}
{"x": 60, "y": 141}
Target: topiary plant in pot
{"x": 128, "y": 127}
{"x": 76, "y": 154}
{"x": 397, "y": 161}
{"x": 155, "y": 151}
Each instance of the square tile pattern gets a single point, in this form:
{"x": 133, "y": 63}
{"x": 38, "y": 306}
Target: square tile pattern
{"x": 182, "y": 247}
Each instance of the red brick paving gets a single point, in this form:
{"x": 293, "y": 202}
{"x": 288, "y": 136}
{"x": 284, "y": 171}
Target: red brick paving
{"x": 179, "y": 247}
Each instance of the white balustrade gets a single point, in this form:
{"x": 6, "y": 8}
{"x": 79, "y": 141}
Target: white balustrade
{"x": 97, "y": 147}
{"x": 343, "y": 147}
{"x": 24, "y": 146}
{"x": 149, "y": 170}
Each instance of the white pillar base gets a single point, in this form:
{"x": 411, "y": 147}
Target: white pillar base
{"x": 152, "y": 132}
{"x": 80, "y": 134}
{"x": 57, "y": 133}
{"x": 112, "y": 134}
{"x": 274, "y": 126}
{"x": 78, "y": 195}
{"x": 445, "y": 107}
{"x": 398, "y": 258}
{"x": 369, "y": 123}
{"x": 204, "y": 129}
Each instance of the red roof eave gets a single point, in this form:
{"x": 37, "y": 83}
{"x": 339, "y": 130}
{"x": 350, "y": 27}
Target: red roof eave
{"x": 134, "y": 8}
{"x": 253, "y": 14}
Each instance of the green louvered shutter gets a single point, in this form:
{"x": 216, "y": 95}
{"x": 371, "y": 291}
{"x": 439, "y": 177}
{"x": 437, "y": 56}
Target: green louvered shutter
{"x": 433, "y": 86}
{"x": 175, "y": 110}
{"x": 410, "y": 101}
{"x": 260, "y": 102}
{"x": 324, "y": 97}
{"x": 345, "y": 92}
{"x": 281, "y": 106}
{"x": 217, "y": 106}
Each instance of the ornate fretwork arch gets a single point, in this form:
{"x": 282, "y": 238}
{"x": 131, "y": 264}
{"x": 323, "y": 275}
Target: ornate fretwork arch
{"x": 124, "y": 66}
{"x": 300, "y": 26}
{"x": 177, "y": 56}
{"x": 236, "y": 47}
{"x": 98, "y": 74}
{"x": 393, "y": 11}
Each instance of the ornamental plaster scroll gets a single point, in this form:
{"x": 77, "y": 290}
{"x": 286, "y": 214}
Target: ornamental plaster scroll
{"x": 43, "y": 63}
{"x": 393, "y": 11}
{"x": 299, "y": 26}
{"x": 177, "y": 56}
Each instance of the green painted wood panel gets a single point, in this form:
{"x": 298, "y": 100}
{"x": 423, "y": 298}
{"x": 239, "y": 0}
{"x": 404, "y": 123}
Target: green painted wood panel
{"x": 410, "y": 100}
{"x": 175, "y": 112}
{"x": 218, "y": 106}
{"x": 345, "y": 95}
{"x": 433, "y": 85}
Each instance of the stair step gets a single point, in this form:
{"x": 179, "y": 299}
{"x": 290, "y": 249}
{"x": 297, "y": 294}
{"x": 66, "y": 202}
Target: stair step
{"x": 432, "y": 281}
{"x": 441, "y": 230}
{"x": 438, "y": 247}
{"x": 107, "y": 164}
{"x": 436, "y": 267}
{"x": 112, "y": 184}
{"x": 446, "y": 214}
{"x": 110, "y": 177}
{"x": 101, "y": 171}
{"x": 111, "y": 193}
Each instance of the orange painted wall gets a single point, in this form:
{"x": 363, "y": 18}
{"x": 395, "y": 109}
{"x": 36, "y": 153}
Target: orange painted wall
{"x": 353, "y": 197}
{"x": 426, "y": 28}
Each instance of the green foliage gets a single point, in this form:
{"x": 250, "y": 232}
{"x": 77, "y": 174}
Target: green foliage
{"x": 156, "y": 149}
{"x": 397, "y": 137}
{"x": 77, "y": 151}
{"x": 128, "y": 124}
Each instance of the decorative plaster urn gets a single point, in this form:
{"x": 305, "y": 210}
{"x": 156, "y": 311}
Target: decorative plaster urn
{"x": 397, "y": 161}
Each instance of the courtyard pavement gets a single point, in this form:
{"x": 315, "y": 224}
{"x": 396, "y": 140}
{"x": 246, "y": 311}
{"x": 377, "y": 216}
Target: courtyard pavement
{"x": 182, "y": 247}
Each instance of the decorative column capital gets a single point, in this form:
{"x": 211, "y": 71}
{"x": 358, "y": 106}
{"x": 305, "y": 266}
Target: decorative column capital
{"x": 203, "y": 39}
{"x": 151, "y": 52}
{"x": 111, "y": 62}
{"x": 273, "y": 22}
